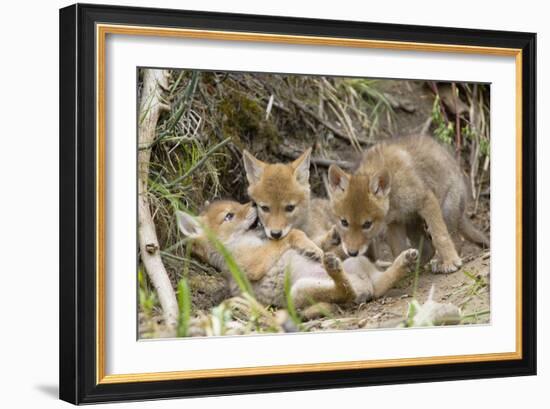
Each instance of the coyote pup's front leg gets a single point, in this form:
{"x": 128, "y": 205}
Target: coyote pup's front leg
{"x": 344, "y": 291}
{"x": 431, "y": 213}
{"x": 299, "y": 241}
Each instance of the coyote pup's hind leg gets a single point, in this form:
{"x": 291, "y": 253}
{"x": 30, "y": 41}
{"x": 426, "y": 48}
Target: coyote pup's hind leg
{"x": 333, "y": 289}
{"x": 383, "y": 281}
{"x": 335, "y": 270}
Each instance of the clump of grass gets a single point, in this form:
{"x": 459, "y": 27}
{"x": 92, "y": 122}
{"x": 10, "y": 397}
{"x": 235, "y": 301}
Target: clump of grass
{"x": 373, "y": 101}
{"x": 474, "y": 317}
{"x": 474, "y": 288}
{"x": 478, "y": 283}
{"x": 368, "y": 90}
{"x": 148, "y": 300}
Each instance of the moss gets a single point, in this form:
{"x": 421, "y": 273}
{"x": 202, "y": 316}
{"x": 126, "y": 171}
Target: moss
{"x": 244, "y": 118}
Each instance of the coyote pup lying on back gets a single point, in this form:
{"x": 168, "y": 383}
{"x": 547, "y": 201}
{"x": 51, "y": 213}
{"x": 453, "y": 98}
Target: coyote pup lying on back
{"x": 400, "y": 185}
{"x": 314, "y": 276}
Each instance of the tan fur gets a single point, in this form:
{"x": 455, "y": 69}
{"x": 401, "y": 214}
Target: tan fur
{"x": 397, "y": 187}
{"x": 273, "y": 187}
{"x": 314, "y": 277}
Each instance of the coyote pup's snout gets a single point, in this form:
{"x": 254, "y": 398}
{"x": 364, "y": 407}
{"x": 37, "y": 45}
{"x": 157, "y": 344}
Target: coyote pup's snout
{"x": 361, "y": 203}
{"x": 281, "y": 192}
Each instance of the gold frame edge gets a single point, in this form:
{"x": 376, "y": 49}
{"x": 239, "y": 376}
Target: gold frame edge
{"x": 103, "y": 29}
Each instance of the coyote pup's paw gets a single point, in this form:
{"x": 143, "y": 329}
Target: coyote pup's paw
{"x": 330, "y": 240}
{"x": 313, "y": 253}
{"x": 332, "y": 264}
{"x": 439, "y": 267}
{"x": 335, "y": 239}
{"x": 409, "y": 258}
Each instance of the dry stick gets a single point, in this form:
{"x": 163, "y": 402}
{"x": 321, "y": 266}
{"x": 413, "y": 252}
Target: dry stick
{"x": 291, "y": 154}
{"x": 458, "y": 141}
{"x": 151, "y": 106}
{"x": 474, "y": 151}
{"x": 337, "y": 132}
{"x": 426, "y": 126}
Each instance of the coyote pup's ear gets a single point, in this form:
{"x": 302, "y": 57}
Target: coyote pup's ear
{"x": 253, "y": 167}
{"x": 301, "y": 167}
{"x": 188, "y": 225}
{"x": 338, "y": 180}
{"x": 380, "y": 183}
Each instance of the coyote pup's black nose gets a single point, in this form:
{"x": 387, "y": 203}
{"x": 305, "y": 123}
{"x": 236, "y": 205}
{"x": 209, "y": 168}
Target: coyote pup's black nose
{"x": 353, "y": 253}
{"x": 276, "y": 234}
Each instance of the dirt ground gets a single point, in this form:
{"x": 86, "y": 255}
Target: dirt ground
{"x": 467, "y": 288}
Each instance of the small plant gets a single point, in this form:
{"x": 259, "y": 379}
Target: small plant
{"x": 412, "y": 310}
{"x": 444, "y": 131}
{"x": 485, "y": 147}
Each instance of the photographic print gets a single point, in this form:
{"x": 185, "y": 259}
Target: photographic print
{"x": 281, "y": 203}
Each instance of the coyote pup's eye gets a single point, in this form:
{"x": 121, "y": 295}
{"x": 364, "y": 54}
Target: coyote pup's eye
{"x": 344, "y": 223}
{"x": 229, "y": 216}
{"x": 367, "y": 225}
{"x": 289, "y": 208}
{"x": 265, "y": 209}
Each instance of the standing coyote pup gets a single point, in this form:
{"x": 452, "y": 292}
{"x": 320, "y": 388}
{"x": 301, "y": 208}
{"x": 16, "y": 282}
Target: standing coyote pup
{"x": 282, "y": 194}
{"x": 314, "y": 276}
{"x": 399, "y": 185}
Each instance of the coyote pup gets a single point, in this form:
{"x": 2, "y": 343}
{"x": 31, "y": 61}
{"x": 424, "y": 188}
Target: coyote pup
{"x": 282, "y": 193}
{"x": 399, "y": 185}
{"x": 314, "y": 276}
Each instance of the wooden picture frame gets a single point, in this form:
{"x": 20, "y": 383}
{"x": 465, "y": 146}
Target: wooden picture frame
{"x": 83, "y": 29}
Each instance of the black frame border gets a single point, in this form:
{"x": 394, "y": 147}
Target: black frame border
{"x": 78, "y": 197}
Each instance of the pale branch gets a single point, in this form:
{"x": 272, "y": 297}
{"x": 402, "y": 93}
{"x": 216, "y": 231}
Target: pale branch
{"x": 155, "y": 82}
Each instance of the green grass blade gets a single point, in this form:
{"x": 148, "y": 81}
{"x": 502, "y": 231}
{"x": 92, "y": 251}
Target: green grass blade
{"x": 238, "y": 275}
{"x": 289, "y": 301}
{"x": 184, "y": 304}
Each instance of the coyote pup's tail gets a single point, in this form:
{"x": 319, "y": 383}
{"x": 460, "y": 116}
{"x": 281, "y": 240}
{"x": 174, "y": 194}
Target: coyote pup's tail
{"x": 471, "y": 233}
